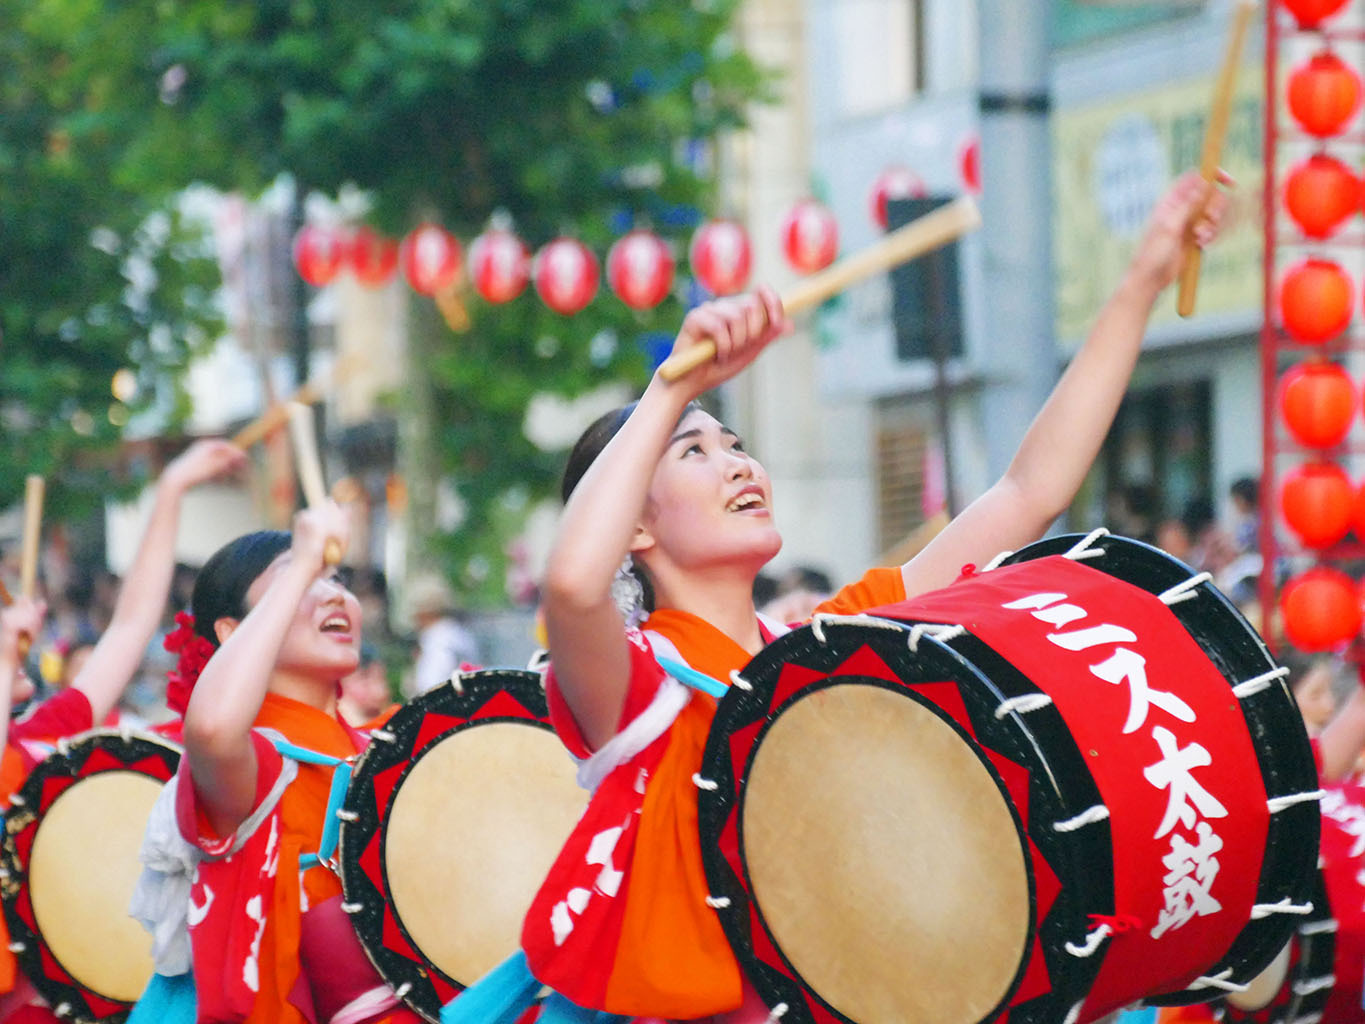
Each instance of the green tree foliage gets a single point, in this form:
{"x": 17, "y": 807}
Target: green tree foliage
{"x": 93, "y": 276}
{"x": 579, "y": 116}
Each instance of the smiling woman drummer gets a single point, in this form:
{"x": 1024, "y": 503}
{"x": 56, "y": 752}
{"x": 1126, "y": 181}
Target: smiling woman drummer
{"x": 662, "y": 495}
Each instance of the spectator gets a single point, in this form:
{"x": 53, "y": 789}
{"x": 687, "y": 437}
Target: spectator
{"x": 443, "y": 642}
{"x": 365, "y": 692}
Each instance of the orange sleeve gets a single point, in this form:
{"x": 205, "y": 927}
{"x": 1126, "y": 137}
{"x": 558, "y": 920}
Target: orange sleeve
{"x": 876, "y": 588}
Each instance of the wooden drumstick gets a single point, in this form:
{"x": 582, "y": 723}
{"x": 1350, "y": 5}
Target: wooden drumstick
{"x": 922, "y": 235}
{"x": 6, "y": 598}
{"x": 34, "y": 489}
{"x": 273, "y": 418}
{"x": 1214, "y": 134}
{"x": 302, "y": 431}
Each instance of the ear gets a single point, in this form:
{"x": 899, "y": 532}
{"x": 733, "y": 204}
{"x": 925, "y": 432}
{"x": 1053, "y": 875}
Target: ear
{"x": 224, "y": 628}
{"x": 642, "y": 540}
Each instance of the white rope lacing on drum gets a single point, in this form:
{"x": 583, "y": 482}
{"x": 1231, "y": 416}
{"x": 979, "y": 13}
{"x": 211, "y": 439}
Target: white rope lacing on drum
{"x": 17, "y": 947}
{"x": 1318, "y": 927}
{"x": 820, "y": 620}
{"x": 63, "y": 1010}
{"x": 1256, "y": 684}
{"x": 1311, "y": 985}
{"x": 17, "y": 800}
{"x": 717, "y": 902}
{"x": 347, "y": 816}
{"x": 1308, "y": 1018}
{"x": 994, "y": 563}
{"x": 352, "y": 908}
{"x": 1280, "y": 803}
{"x": 539, "y": 659}
{"x": 402, "y": 990}
{"x": 1087, "y": 817}
{"x": 383, "y": 736}
{"x": 1074, "y": 1013}
{"x": 942, "y": 632}
{"x": 1219, "y": 981}
{"x": 1022, "y": 705}
{"x": 710, "y": 785}
{"x": 125, "y": 733}
{"x": 737, "y": 679}
{"x": 1093, "y": 941}
{"x": 457, "y": 682}
{"x": 776, "y": 1013}
{"x": 1285, "y": 906}
{"x": 63, "y": 746}
{"x": 1083, "y": 550}
{"x": 1184, "y": 591}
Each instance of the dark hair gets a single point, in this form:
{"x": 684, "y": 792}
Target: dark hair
{"x": 221, "y": 586}
{"x": 1247, "y": 490}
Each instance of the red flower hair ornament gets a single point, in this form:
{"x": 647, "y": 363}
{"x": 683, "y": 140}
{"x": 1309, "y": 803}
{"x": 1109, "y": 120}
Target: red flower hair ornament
{"x": 193, "y": 653}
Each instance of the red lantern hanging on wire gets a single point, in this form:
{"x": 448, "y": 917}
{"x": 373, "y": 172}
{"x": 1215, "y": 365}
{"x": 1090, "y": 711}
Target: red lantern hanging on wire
{"x": 969, "y": 164}
{"x": 1316, "y": 500}
{"x": 893, "y": 183}
{"x": 499, "y": 265}
{"x": 810, "y": 236}
{"x": 566, "y": 275}
{"x": 1324, "y": 94}
{"x": 374, "y": 258}
{"x": 1316, "y": 299}
{"x": 1320, "y": 194}
{"x": 318, "y": 254}
{"x": 1320, "y": 609}
{"x": 431, "y": 258}
{"x": 1318, "y": 403}
{"x": 1311, "y": 12}
{"x": 640, "y": 269}
{"x": 721, "y": 257}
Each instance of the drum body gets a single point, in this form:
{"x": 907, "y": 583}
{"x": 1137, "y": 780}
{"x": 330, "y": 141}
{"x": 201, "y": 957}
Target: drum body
{"x": 72, "y": 836}
{"x": 455, "y": 813}
{"x": 1032, "y": 795}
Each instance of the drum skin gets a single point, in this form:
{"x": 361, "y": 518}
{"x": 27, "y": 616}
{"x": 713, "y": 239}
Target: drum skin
{"x": 1061, "y": 856}
{"x": 72, "y": 837}
{"x": 455, "y": 813}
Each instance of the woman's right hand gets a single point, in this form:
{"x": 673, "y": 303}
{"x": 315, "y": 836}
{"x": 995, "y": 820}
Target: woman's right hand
{"x": 740, "y": 327}
{"x": 313, "y": 528}
{"x": 22, "y": 618}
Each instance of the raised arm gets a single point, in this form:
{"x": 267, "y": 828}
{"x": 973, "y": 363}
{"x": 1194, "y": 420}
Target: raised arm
{"x": 1343, "y": 740}
{"x": 586, "y": 633}
{"x": 229, "y": 692}
{"x": 22, "y": 618}
{"x": 142, "y": 597}
{"x": 1063, "y": 440}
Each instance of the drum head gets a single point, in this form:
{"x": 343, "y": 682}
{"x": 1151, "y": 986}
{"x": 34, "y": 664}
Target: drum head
{"x": 71, "y": 849}
{"x": 460, "y": 806}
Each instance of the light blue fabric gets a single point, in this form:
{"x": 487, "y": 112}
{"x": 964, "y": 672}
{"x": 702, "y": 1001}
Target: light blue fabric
{"x": 166, "y": 1000}
{"x": 499, "y": 997}
{"x": 689, "y": 676}
{"x": 558, "y": 1010}
{"x": 336, "y": 798}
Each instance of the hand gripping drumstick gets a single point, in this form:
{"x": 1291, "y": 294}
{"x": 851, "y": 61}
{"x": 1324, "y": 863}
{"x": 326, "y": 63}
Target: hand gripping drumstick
{"x": 922, "y": 235}
{"x": 34, "y": 489}
{"x": 310, "y": 468}
{"x": 1214, "y": 135}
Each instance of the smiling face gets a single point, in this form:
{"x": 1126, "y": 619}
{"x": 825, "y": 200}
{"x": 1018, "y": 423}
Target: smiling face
{"x": 323, "y": 639}
{"x": 709, "y": 503}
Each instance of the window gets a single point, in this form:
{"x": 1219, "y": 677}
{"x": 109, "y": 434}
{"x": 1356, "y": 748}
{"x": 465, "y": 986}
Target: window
{"x": 879, "y": 46}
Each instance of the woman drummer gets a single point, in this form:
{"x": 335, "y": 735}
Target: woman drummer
{"x": 273, "y": 632}
{"x": 665, "y": 494}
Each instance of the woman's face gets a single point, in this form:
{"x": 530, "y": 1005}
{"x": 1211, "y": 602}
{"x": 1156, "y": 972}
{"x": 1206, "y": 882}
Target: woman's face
{"x": 1314, "y": 697}
{"x": 709, "y": 502}
{"x": 323, "y": 638}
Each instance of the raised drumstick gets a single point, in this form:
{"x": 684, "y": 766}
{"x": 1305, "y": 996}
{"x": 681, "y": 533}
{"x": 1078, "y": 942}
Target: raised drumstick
{"x": 922, "y": 235}
{"x": 1214, "y": 135}
{"x": 34, "y": 489}
{"x": 304, "y": 434}
{"x": 273, "y": 418}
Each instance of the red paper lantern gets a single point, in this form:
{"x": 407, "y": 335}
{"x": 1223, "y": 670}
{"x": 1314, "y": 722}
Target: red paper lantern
{"x": 810, "y": 236}
{"x": 1316, "y": 298}
{"x": 1324, "y": 94}
{"x": 566, "y": 275}
{"x": 1318, "y": 402}
{"x": 1320, "y": 193}
{"x": 721, "y": 257}
{"x": 1320, "y": 609}
{"x": 431, "y": 258}
{"x": 640, "y": 269}
{"x": 969, "y": 165}
{"x": 1310, "y": 12}
{"x": 893, "y": 183}
{"x": 318, "y": 254}
{"x": 1316, "y": 500}
{"x": 374, "y": 258}
{"x": 499, "y": 264}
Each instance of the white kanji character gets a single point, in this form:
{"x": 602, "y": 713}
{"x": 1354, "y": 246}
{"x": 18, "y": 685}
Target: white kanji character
{"x": 1191, "y": 870}
{"x": 608, "y": 883}
{"x": 1128, "y": 666}
{"x": 1172, "y": 773}
{"x": 1046, "y": 609}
